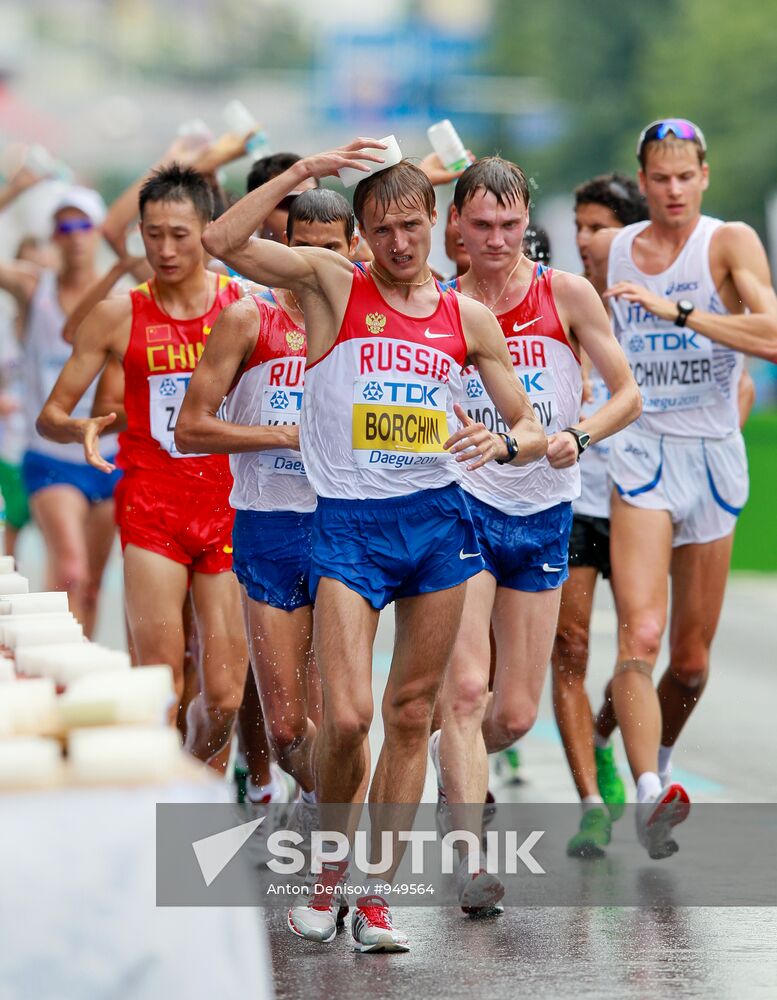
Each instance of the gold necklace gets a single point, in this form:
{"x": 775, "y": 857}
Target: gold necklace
{"x": 296, "y": 304}
{"x": 504, "y": 286}
{"x": 388, "y": 280}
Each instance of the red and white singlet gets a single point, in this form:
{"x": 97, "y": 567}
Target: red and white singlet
{"x": 378, "y": 405}
{"x": 549, "y": 371}
{"x": 162, "y": 353}
{"x": 269, "y": 391}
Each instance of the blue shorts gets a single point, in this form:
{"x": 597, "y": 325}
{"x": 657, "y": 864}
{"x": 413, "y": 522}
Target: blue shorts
{"x": 399, "y": 547}
{"x": 40, "y": 471}
{"x": 524, "y": 552}
{"x": 271, "y": 556}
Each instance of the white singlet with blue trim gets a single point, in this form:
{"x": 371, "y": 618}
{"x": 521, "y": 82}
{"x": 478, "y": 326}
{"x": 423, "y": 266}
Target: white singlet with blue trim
{"x": 688, "y": 382}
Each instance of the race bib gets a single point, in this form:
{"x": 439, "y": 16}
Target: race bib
{"x": 540, "y": 387}
{"x": 398, "y": 423}
{"x": 673, "y": 369}
{"x": 165, "y": 396}
{"x": 281, "y": 406}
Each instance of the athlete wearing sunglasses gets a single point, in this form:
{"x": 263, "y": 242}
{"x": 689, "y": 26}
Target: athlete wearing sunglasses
{"x": 690, "y": 295}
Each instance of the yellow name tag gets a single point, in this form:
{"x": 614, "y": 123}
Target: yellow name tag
{"x": 395, "y": 417}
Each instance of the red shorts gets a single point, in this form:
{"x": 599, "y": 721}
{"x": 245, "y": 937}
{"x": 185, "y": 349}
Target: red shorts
{"x": 189, "y": 526}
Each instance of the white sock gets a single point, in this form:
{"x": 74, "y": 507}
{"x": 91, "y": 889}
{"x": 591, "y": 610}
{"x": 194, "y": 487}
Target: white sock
{"x": 309, "y": 798}
{"x": 258, "y": 793}
{"x": 665, "y": 759}
{"x": 591, "y": 802}
{"x": 601, "y": 742}
{"x": 648, "y": 787}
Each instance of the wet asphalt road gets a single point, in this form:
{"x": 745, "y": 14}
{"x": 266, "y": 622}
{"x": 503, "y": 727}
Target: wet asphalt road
{"x": 727, "y": 754}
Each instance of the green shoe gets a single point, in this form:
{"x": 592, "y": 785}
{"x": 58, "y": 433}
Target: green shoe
{"x": 507, "y": 766}
{"x": 593, "y": 835}
{"x": 240, "y": 776}
{"x": 611, "y": 787}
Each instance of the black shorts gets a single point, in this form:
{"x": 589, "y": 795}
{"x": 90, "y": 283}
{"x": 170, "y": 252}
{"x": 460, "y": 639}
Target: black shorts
{"x": 589, "y": 543}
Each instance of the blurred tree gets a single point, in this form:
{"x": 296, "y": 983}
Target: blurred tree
{"x": 716, "y": 65}
{"x": 589, "y": 56}
{"x": 617, "y": 66}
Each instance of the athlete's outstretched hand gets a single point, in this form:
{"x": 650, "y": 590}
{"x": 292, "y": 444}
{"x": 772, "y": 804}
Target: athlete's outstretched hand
{"x": 474, "y": 443}
{"x": 562, "y": 450}
{"x": 353, "y": 155}
{"x": 91, "y": 434}
{"x": 437, "y": 172}
{"x": 630, "y": 291}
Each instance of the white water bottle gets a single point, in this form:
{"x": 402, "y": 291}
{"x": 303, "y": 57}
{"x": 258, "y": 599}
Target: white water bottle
{"x": 447, "y": 144}
{"x": 240, "y": 121}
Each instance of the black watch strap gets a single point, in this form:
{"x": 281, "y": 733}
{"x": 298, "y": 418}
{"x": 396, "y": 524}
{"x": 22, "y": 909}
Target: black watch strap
{"x": 582, "y": 439}
{"x": 512, "y": 449}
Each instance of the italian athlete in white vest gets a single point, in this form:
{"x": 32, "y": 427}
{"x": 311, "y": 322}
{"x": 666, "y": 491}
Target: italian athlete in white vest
{"x": 689, "y": 296}
{"x": 382, "y": 450}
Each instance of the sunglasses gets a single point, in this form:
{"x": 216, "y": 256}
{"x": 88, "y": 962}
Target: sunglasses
{"x": 73, "y": 226}
{"x": 680, "y": 128}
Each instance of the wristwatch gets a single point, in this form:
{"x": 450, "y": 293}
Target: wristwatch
{"x": 684, "y": 309}
{"x": 582, "y": 438}
{"x": 512, "y": 449}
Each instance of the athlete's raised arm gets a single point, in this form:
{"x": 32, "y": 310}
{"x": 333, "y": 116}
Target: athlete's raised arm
{"x": 104, "y": 332}
{"x": 582, "y": 311}
{"x": 231, "y": 237}
{"x": 228, "y": 348}
{"x": 739, "y": 255}
{"x": 487, "y": 349}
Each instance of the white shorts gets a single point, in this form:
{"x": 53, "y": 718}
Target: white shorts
{"x": 702, "y": 482}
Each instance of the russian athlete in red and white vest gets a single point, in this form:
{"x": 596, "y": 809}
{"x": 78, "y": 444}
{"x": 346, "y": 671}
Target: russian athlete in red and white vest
{"x": 173, "y": 510}
{"x": 255, "y": 357}
{"x": 383, "y": 451}
{"x": 522, "y": 515}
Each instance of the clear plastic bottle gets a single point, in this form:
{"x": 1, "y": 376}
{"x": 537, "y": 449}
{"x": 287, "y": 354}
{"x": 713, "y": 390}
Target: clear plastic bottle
{"x": 41, "y": 162}
{"x": 240, "y": 121}
{"x": 447, "y": 144}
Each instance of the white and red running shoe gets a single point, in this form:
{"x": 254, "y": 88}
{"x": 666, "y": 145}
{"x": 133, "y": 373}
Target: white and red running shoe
{"x": 321, "y": 918}
{"x": 372, "y": 928}
{"x": 479, "y": 892}
{"x": 655, "y": 821}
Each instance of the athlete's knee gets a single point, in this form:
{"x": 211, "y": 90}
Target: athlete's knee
{"x": 71, "y": 573}
{"x": 408, "y": 717}
{"x": 691, "y": 673}
{"x": 346, "y": 728}
{"x": 467, "y": 699}
{"x": 511, "y": 722}
{"x": 570, "y": 651}
{"x": 222, "y": 697}
{"x": 285, "y": 733}
{"x": 641, "y": 636}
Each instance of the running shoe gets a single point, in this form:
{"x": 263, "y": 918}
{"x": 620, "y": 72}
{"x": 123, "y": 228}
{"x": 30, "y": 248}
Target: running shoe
{"x": 593, "y": 835}
{"x": 655, "y": 820}
{"x": 372, "y": 928}
{"x": 507, "y": 764}
{"x": 321, "y": 918}
{"x": 479, "y": 892}
{"x": 609, "y": 781}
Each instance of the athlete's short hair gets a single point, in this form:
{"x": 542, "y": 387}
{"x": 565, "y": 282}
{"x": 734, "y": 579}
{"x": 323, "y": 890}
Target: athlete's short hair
{"x": 501, "y": 178}
{"x": 178, "y": 183}
{"x": 404, "y": 183}
{"x": 321, "y": 205}
{"x": 615, "y": 191}
{"x": 271, "y": 166}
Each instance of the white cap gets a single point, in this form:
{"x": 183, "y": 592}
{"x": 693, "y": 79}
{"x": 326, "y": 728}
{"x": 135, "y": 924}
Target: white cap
{"x": 85, "y": 200}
